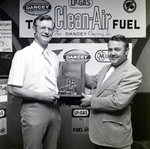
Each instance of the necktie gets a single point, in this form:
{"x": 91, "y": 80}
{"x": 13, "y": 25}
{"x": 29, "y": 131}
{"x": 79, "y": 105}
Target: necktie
{"x": 109, "y": 72}
{"x": 50, "y": 77}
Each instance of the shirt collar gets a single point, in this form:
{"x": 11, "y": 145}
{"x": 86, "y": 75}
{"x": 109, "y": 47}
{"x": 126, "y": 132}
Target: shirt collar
{"x": 38, "y": 48}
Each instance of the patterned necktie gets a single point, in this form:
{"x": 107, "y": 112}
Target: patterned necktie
{"x": 49, "y": 72}
{"x": 109, "y": 72}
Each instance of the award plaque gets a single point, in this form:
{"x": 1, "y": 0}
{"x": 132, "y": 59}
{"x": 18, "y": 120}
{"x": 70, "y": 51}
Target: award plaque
{"x": 71, "y": 80}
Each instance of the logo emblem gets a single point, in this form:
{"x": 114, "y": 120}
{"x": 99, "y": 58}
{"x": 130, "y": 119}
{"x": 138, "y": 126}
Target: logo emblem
{"x": 80, "y": 3}
{"x": 77, "y": 55}
{"x": 102, "y": 56}
{"x": 6, "y": 56}
{"x": 2, "y": 113}
{"x": 37, "y": 7}
{"x": 82, "y": 113}
{"x": 129, "y": 6}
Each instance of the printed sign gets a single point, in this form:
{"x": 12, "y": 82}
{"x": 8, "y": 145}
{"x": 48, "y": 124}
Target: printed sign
{"x": 5, "y": 36}
{"x": 3, "y": 122}
{"x": 94, "y": 54}
{"x": 80, "y": 121}
{"x": 3, "y": 93}
{"x": 86, "y": 18}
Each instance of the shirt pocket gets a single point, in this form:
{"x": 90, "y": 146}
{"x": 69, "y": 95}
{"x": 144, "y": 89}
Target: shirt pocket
{"x": 35, "y": 73}
{"x": 35, "y": 78}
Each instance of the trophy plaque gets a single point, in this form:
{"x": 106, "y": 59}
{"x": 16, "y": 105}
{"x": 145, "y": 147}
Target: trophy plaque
{"x": 71, "y": 80}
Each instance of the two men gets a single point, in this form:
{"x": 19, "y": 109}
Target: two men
{"x": 33, "y": 78}
{"x": 110, "y": 118}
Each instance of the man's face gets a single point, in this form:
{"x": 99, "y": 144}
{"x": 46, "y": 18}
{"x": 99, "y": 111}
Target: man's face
{"x": 117, "y": 53}
{"x": 44, "y": 31}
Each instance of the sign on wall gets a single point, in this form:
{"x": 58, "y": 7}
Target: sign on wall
{"x": 80, "y": 121}
{"x": 5, "y": 47}
{"x": 5, "y": 36}
{"x": 3, "y": 92}
{"x": 86, "y": 18}
{"x": 93, "y": 54}
{"x": 3, "y": 122}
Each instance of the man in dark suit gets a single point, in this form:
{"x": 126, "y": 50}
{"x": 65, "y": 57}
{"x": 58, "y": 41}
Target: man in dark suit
{"x": 110, "y": 118}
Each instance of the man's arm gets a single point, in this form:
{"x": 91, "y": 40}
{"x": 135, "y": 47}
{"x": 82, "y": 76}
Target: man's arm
{"x": 26, "y": 94}
{"x": 91, "y": 81}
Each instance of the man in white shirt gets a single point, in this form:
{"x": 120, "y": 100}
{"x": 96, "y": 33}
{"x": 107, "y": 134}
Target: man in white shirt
{"x": 29, "y": 77}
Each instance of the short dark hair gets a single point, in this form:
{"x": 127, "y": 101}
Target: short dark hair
{"x": 41, "y": 18}
{"x": 120, "y": 38}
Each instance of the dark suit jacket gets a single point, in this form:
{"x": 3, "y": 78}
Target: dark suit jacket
{"x": 110, "y": 118}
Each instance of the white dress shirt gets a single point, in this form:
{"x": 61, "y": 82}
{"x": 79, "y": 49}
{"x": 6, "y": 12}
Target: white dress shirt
{"x": 27, "y": 68}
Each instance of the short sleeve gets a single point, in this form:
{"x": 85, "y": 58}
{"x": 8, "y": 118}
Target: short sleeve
{"x": 18, "y": 69}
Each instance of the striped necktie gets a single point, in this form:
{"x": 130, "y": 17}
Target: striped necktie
{"x": 109, "y": 72}
{"x": 50, "y": 76}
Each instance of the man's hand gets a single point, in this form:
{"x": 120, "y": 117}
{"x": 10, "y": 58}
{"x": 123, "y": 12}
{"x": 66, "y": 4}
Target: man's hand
{"x": 86, "y": 101}
{"x": 21, "y": 92}
{"x": 50, "y": 96}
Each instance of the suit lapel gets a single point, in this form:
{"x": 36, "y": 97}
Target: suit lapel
{"x": 102, "y": 74}
{"x": 119, "y": 72}
{"x": 101, "y": 77}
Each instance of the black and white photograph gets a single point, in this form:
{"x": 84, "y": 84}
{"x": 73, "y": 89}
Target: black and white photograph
{"x": 74, "y": 74}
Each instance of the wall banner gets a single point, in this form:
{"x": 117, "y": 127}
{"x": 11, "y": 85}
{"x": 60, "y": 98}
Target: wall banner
{"x": 93, "y": 54}
{"x": 86, "y": 18}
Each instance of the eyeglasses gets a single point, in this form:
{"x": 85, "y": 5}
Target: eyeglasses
{"x": 43, "y": 28}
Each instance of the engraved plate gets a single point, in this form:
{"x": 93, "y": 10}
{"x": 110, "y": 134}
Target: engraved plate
{"x": 71, "y": 82}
